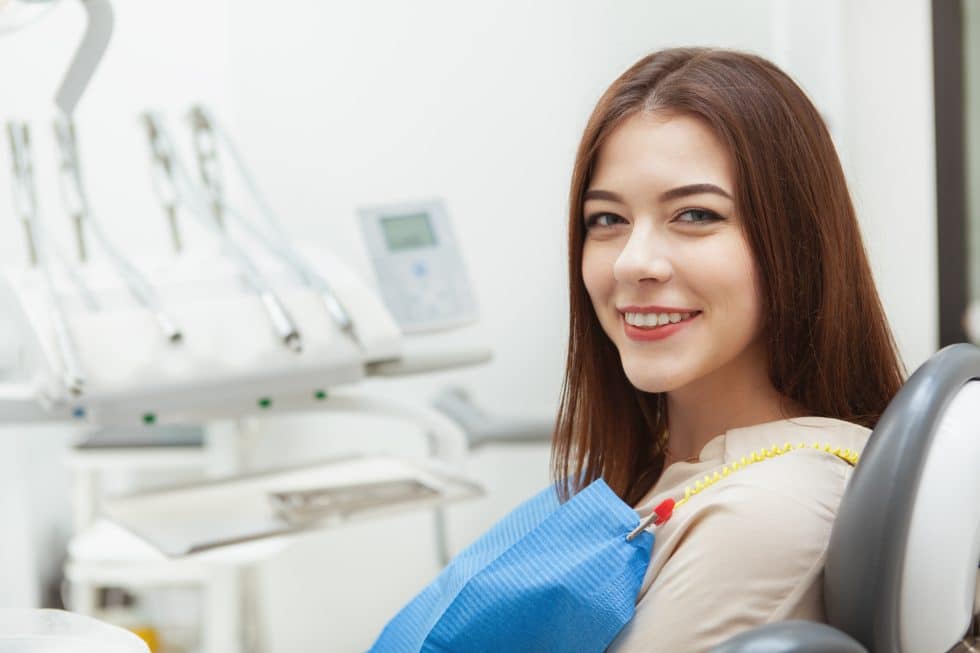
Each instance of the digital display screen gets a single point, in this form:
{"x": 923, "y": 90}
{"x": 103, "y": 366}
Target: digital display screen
{"x": 408, "y": 231}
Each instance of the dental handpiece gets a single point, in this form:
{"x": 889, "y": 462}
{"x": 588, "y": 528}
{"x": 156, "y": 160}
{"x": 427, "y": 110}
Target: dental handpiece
{"x": 71, "y": 375}
{"x": 188, "y": 193}
{"x": 25, "y": 195}
{"x": 278, "y": 243}
{"x": 71, "y": 191}
{"x": 303, "y": 270}
{"x": 163, "y": 182}
{"x": 25, "y": 201}
{"x": 207, "y": 163}
{"x": 76, "y": 202}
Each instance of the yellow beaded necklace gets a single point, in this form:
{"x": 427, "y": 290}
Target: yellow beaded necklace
{"x": 709, "y": 480}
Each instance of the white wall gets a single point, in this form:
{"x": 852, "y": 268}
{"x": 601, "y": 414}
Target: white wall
{"x": 891, "y": 169}
{"x": 341, "y": 104}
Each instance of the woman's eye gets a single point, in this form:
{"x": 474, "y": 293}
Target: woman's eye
{"x": 700, "y": 216}
{"x": 599, "y": 219}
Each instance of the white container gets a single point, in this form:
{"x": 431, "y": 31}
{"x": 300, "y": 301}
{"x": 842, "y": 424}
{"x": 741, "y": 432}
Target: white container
{"x": 57, "y": 631}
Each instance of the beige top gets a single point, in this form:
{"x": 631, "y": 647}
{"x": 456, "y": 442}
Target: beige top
{"x": 749, "y": 549}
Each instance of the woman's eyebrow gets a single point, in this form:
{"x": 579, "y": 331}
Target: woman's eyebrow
{"x": 673, "y": 193}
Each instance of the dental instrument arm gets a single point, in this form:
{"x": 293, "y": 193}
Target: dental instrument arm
{"x": 190, "y": 195}
{"x": 275, "y": 239}
{"x": 25, "y": 194}
{"x": 307, "y": 275}
{"x": 25, "y": 204}
{"x": 76, "y": 203}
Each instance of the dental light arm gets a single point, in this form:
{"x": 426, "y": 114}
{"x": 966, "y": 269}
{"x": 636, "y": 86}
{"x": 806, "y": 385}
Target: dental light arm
{"x": 15, "y": 14}
{"x": 98, "y": 31}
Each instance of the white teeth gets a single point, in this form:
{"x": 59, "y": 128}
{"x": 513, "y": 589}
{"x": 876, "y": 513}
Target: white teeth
{"x": 655, "y": 319}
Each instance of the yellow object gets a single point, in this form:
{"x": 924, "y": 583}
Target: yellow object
{"x": 846, "y": 455}
{"x": 149, "y": 635}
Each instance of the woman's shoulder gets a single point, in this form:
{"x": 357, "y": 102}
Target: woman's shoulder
{"x": 810, "y": 432}
{"x": 812, "y": 472}
{"x": 805, "y": 461}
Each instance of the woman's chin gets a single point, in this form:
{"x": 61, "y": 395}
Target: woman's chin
{"x": 646, "y": 383}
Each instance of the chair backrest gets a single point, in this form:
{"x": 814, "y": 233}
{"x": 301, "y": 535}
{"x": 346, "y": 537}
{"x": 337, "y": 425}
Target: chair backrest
{"x": 902, "y": 560}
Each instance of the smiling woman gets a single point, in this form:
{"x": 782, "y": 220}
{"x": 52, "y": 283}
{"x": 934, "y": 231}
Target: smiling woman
{"x": 683, "y": 246}
{"x": 721, "y": 304}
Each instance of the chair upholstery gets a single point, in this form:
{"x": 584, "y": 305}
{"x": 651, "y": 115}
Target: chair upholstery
{"x": 791, "y": 637}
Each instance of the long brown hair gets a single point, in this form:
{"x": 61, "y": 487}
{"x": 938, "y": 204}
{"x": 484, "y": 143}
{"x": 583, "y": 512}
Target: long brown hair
{"x": 830, "y": 346}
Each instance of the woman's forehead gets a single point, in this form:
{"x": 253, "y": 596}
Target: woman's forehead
{"x": 663, "y": 150}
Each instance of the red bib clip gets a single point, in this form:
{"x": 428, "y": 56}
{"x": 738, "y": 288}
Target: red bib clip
{"x": 664, "y": 511}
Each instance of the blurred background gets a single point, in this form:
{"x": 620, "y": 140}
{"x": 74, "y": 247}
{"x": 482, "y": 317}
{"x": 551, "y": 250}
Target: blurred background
{"x": 341, "y": 105}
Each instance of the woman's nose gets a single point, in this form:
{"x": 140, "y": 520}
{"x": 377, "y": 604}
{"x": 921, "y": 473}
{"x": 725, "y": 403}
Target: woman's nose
{"x": 643, "y": 257}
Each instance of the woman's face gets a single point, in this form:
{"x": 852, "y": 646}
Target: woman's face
{"x": 662, "y": 231}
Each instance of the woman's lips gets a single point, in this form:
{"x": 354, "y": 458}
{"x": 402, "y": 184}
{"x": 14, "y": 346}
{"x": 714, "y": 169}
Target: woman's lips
{"x": 656, "y": 333}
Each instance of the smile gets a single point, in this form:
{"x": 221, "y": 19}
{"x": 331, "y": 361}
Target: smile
{"x": 645, "y": 333}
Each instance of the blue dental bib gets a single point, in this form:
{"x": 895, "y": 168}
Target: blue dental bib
{"x": 547, "y": 577}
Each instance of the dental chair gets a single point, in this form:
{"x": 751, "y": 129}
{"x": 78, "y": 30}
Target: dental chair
{"x": 901, "y": 572}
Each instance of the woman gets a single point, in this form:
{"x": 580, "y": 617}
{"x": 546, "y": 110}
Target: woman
{"x": 707, "y": 192}
{"x": 722, "y": 308}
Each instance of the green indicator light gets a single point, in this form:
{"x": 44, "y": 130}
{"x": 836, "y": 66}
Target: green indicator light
{"x": 265, "y": 402}
{"x": 320, "y": 395}
{"x": 149, "y": 418}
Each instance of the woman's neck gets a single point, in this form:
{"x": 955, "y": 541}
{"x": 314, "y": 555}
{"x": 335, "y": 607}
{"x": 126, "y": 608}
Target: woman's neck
{"x": 693, "y": 421}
